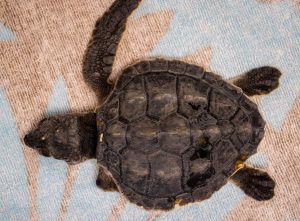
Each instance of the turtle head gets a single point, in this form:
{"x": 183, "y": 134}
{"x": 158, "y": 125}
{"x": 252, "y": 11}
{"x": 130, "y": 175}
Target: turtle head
{"x": 72, "y": 138}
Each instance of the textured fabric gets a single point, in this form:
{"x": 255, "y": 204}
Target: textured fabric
{"x": 41, "y": 48}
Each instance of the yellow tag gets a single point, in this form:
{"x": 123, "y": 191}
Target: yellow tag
{"x": 239, "y": 165}
{"x": 101, "y": 138}
{"x": 178, "y": 201}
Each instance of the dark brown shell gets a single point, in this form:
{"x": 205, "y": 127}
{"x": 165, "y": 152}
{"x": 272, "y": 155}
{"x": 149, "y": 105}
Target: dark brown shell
{"x": 171, "y": 131}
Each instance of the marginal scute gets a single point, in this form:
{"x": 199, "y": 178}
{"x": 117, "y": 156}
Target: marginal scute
{"x": 194, "y": 71}
{"x": 256, "y": 119}
{"x": 202, "y": 192}
{"x": 113, "y": 163}
{"x": 126, "y": 77}
{"x": 257, "y": 136}
{"x": 159, "y": 65}
{"x": 177, "y": 67}
{"x": 142, "y": 67}
{"x": 136, "y": 84}
{"x": 122, "y": 81}
{"x": 232, "y": 91}
{"x": 205, "y": 192}
{"x": 218, "y": 181}
{"x": 247, "y": 105}
{"x": 248, "y": 149}
{"x": 213, "y": 79}
{"x": 167, "y": 203}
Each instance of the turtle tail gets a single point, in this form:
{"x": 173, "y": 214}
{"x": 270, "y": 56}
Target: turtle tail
{"x": 101, "y": 50}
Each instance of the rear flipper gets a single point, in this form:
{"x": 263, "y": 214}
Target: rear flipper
{"x": 255, "y": 183}
{"x": 101, "y": 50}
{"x": 105, "y": 181}
{"x": 258, "y": 81}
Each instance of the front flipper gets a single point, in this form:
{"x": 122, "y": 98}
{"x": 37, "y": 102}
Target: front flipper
{"x": 105, "y": 181}
{"x": 258, "y": 81}
{"x": 100, "y": 53}
{"x": 255, "y": 183}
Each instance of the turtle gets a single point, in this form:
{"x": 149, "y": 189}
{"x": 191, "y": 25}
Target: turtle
{"x": 168, "y": 132}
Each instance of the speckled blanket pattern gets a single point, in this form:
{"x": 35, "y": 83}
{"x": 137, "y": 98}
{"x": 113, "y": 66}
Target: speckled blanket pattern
{"x": 41, "y": 48}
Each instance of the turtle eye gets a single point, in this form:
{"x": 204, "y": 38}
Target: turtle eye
{"x": 43, "y": 138}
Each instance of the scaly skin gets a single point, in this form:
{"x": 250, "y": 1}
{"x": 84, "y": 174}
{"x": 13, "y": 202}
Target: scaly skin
{"x": 100, "y": 53}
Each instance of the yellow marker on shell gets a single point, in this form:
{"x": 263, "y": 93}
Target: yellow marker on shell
{"x": 239, "y": 165}
{"x": 178, "y": 201}
{"x": 101, "y": 138}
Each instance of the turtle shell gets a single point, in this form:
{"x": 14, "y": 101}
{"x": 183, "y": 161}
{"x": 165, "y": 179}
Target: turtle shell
{"x": 172, "y": 133}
